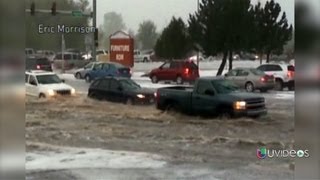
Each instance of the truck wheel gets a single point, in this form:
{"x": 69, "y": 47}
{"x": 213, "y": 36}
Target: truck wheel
{"x": 179, "y": 80}
{"x": 291, "y": 87}
{"x": 129, "y": 102}
{"x": 145, "y": 59}
{"x": 249, "y": 87}
{"x": 88, "y": 78}
{"x": 42, "y": 96}
{"x": 154, "y": 79}
{"x": 278, "y": 85}
{"x": 172, "y": 108}
{"x": 78, "y": 76}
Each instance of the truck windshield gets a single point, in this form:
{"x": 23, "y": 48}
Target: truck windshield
{"x": 129, "y": 84}
{"x": 48, "y": 79}
{"x": 224, "y": 87}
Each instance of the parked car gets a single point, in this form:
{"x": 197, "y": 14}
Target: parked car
{"x": 38, "y": 64}
{"x": 251, "y": 79}
{"x": 210, "y": 96}
{"x": 141, "y": 57}
{"x": 70, "y": 60}
{"x": 46, "y": 53}
{"x": 103, "y": 69}
{"x": 283, "y": 74}
{"x": 44, "y": 84}
{"x": 81, "y": 72}
{"x": 178, "y": 71}
{"x": 120, "y": 90}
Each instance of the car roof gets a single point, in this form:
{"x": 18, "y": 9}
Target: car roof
{"x": 39, "y": 72}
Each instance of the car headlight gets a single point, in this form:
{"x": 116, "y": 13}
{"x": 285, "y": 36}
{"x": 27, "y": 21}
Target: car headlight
{"x": 73, "y": 91}
{"x": 239, "y": 105}
{"x": 140, "y": 96}
{"x": 51, "y": 92}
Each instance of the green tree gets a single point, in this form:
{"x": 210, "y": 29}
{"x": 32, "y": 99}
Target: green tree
{"x": 112, "y": 22}
{"x": 147, "y": 34}
{"x": 221, "y": 26}
{"x": 174, "y": 42}
{"x": 272, "y": 31}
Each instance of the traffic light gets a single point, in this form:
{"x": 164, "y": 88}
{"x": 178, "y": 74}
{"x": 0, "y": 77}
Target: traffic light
{"x": 54, "y": 8}
{"x": 96, "y": 33}
{"x": 32, "y": 8}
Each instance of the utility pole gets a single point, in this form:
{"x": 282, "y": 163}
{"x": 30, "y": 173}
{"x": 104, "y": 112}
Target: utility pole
{"x": 198, "y": 48}
{"x": 94, "y": 24}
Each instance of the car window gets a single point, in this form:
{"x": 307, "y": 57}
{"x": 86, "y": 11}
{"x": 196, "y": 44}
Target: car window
{"x": 114, "y": 85}
{"x": 257, "y": 72}
{"x": 129, "y": 84}
{"x": 48, "y": 79}
{"x": 43, "y": 61}
{"x": 174, "y": 65}
{"x": 67, "y": 57}
{"x": 32, "y": 80}
{"x": 232, "y": 72}
{"x": 242, "y": 72}
{"x": 75, "y": 56}
{"x": 106, "y": 66}
{"x": 58, "y": 56}
{"x": 104, "y": 84}
{"x": 98, "y": 66}
{"x": 224, "y": 87}
{"x": 290, "y": 68}
{"x": 262, "y": 68}
{"x": 166, "y": 66}
{"x": 273, "y": 68}
{"x": 117, "y": 65}
{"x": 203, "y": 86}
{"x": 88, "y": 66}
{"x": 95, "y": 83}
{"x": 26, "y": 78}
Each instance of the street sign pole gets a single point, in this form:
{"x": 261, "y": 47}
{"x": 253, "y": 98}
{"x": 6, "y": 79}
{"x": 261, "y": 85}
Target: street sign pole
{"x": 94, "y": 24}
{"x": 63, "y": 46}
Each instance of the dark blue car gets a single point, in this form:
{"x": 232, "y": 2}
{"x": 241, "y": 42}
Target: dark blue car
{"x": 107, "y": 69}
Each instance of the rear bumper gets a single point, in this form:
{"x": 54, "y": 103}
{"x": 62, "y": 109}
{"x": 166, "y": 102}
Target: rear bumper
{"x": 269, "y": 85}
{"x": 289, "y": 83}
{"x": 251, "y": 112}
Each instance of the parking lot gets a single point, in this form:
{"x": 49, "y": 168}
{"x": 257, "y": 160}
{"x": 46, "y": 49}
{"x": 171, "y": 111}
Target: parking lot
{"x": 142, "y": 142}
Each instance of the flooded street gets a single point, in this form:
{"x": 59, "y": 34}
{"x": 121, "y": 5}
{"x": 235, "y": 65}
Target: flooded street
{"x": 83, "y": 137}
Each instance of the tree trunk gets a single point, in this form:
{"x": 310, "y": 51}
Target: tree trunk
{"x": 230, "y": 60}
{"x": 223, "y": 63}
{"x": 268, "y": 56}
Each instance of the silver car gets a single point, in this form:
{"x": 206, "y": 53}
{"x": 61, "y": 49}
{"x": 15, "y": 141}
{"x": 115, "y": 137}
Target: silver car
{"x": 80, "y": 73}
{"x": 251, "y": 79}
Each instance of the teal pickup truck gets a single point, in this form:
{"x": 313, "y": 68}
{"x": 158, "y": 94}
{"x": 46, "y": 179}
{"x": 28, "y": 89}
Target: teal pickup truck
{"x": 210, "y": 96}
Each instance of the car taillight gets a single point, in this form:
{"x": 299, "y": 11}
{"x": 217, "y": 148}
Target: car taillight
{"x": 290, "y": 74}
{"x": 156, "y": 95}
{"x": 38, "y": 66}
{"x": 263, "y": 79}
{"x": 186, "y": 70}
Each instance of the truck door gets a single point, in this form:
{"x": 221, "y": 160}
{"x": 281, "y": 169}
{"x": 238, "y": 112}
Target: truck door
{"x": 203, "y": 98}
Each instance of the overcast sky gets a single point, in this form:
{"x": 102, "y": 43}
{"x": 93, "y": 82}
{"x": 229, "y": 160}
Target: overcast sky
{"x": 161, "y": 11}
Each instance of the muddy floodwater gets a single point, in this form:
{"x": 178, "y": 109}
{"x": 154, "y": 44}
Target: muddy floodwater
{"x": 134, "y": 142}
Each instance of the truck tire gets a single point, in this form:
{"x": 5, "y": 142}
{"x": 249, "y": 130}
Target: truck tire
{"x": 145, "y": 59}
{"x": 278, "y": 85}
{"x": 154, "y": 79}
{"x": 78, "y": 76}
{"x": 179, "y": 80}
{"x": 249, "y": 87}
{"x": 42, "y": 96}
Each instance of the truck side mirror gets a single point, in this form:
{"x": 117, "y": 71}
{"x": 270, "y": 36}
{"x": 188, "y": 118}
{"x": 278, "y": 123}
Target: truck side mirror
{"x": 209, "y": 92}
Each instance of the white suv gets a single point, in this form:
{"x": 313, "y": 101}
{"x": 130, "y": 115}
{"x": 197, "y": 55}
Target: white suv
{"x": 283, "y": 74}
{"x": 45, "y": 84}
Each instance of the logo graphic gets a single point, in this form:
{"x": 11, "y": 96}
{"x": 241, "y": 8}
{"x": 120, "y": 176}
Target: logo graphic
{"x": 300, "y": 153}
{"x": 261, "y": 153}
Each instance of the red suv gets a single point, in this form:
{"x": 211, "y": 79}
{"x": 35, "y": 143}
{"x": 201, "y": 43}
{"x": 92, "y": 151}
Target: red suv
{"x": 178, "y": 71}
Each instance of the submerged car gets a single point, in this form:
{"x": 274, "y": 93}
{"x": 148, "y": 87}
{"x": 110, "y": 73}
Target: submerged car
{"x": 120, "y": 90}
{"x": 81, "y": 72}
{"x": 251, "y": 79}
{"x": 44, "y": 84}
{"x": 110, "y": 69}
